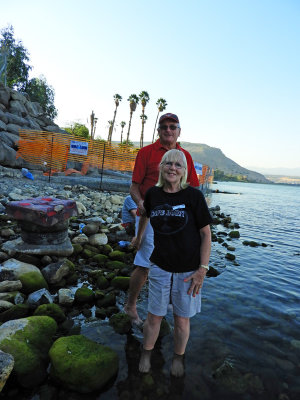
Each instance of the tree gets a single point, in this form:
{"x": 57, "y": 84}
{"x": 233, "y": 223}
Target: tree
{"x": 161, "y": 105}
{"x": 78, "y": 129}
{"x": 17, "y": 69}
{"x": 117, "y": 99}
{"x": 144, "y": 97}
{"x": 123, "y": 123}
{"x": 39, "y": 90}
{"x": 144, "y": 119}
{"x": 133, "y": 102}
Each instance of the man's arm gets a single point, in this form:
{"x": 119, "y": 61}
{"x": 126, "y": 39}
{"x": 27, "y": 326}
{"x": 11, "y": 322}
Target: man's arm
{"x": 137, "y": 198}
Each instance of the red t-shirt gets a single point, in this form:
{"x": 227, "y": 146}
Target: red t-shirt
{"x": 146, "y": 167}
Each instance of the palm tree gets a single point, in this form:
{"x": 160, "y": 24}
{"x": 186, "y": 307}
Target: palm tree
{"x": 133, "y": 102}
{"x": 123, "y": 123}
{"x": 117, "y": 99}
{"x": 144, "y": 97}
{"x": 161, "y": 105}
{"x": 144, "y": 119}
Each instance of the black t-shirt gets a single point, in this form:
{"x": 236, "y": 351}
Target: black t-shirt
{"x": 176, "y": 219}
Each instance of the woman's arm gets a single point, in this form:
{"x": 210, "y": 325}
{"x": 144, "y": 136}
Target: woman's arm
{"x": 136, "y": 241}
{"x": 198, "y": 276}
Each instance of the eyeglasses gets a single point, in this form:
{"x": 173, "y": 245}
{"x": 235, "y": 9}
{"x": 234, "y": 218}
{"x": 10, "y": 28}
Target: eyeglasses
{"x": 165, "y": 127}
{"x": 177, "y": 165}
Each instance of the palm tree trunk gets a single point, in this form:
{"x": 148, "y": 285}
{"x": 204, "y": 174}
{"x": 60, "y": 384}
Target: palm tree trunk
{"x": 129, "y": 125}
{"x": 155, "y": 127}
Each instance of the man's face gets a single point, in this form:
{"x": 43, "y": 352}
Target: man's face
{"x": 167, "y": 134}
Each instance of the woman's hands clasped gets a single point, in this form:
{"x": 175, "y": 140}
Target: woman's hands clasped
{"x": 197, "y": 279}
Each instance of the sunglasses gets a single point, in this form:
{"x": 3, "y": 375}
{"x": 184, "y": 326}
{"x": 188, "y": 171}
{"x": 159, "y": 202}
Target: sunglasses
{"x": 165, "y": 127}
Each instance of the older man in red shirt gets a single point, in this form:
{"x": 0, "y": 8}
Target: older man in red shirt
{"x": 145, "y": 175}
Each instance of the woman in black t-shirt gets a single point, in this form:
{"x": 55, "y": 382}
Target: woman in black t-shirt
{"x": 182, "y": 240}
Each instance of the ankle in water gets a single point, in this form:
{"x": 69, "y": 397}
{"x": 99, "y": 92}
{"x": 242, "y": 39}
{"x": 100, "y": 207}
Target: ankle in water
{"x": 145, "y": 364}
{"x": 177, "y": 367}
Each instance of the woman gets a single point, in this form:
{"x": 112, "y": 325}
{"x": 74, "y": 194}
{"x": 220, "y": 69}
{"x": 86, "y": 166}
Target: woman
{"x": 180, "y": 220}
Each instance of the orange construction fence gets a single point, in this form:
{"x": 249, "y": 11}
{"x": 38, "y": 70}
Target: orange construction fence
{"x": 53, "y": 151}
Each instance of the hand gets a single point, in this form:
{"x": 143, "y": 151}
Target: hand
{"x": 197, "y": 279}
{"x": 136, "y": 242}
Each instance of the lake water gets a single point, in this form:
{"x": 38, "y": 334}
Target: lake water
{"x": 245, "y": 344}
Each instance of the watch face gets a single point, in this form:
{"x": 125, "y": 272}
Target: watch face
{"x": 167, "y": 220}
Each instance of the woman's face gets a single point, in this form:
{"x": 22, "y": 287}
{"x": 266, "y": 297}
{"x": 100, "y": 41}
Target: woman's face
{"x": 173, "y": 171}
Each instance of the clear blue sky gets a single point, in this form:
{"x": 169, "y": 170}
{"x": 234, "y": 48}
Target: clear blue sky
{"x": 229, "y": 69}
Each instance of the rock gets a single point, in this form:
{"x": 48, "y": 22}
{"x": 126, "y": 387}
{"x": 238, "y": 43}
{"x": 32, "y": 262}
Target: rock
{"x": 120, "y": 322}
{"x": 13, "y": 128}
{"x": 34, "y": 108}
{"x": 120, "y": 282}
{"x": 98, "y": 239}
{"x": 4, "y": 96}
{"x": 15, "y": 312}
{"x": 84, "y": 295}
{"x": 10, "y": 286}
{"x": 230, "y": 256}
{"x": 18, "y": 96}
{"x": 80, "y": 239}
{"x": 3, "y": 126}
{"x": 32, "y": 281}
{"x": 8, "y": 156}
{"x": 102, "y": 282}
{"x": 100, "y": 259}
{"x": 28, "y": 340}
{"x": 39, "y": 297}
{"x": 5, "y": 305}
{"x": 234, "y": 234}
{"x": 65, "y": 297}
{"x": 10, "y": 139}
{"x": 81, "y": 364}
{"x": 117, "y": 255}
{"x": 16, "y": 107}
{"x": 107, "y": 301}
{"x": 7, "y": 232}
{"x": 51, "y": 310}
{"x": 81, "y": 208}
{"x": 6, "y": 366}
{"x": 116, "y": 199}
{"x": 90, "y": 229}
{"x": 55, "y": 272}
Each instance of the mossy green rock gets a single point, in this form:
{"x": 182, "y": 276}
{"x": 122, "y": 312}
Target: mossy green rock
{"x": 100, "y": 259}
{"x": 102, "y": 282}
{"x": 84, "y": 295}
{"x": 120, "y": 322}
{"x": 120, "y": 282}
{"x": 234, "y": 234}
{"x": 16, "y": 312}
{"x": 107, "y": 301}
{"x": 88, "y": 253}
{"x": 117, "y": 255}
{"x": 105, "y": 249}
{"x": 116, "y": 265}
{"x": 32, "y": 281}
{"x": 94, "y": 249}
{"x": 51, "y": 310}
{"x": 28, "y": 340}
{"x": 81, "y": 364}
{"x": 77, "y": 248}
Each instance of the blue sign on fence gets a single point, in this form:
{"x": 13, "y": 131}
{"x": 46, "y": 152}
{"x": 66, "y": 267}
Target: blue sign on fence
{"x": 198, "y": 168}
{"x": 79, "y": 147}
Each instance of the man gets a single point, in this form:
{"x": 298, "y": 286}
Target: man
{"x": 128, "y": 215}
{"x": 145, "y": 175}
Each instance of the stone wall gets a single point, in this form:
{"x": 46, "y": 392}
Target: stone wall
{"x": 18, "y": 112}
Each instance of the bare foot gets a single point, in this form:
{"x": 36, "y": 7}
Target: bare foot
{"x": 133, "y": 315}
{"x": 177, "y": 368}
{"x": 145, "y": 365}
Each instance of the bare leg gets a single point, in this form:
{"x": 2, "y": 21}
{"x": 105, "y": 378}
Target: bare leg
{"x": 151, "y": 332}
{"x": 137, "y": 281}
{"x": 181, "y": 337}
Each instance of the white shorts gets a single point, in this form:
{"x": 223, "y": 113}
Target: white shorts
{"x": 169, "y": 288}
{"x": 142, "y": 257}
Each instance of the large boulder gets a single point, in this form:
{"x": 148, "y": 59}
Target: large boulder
{"x": 82, "y": 365}
{"x": 6, "y": 366}
{"x": 30, "y": 276}
{"x": 8, "y": 156}
{"x": 9, "y": 138}
{"x": 28, "y": 340}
